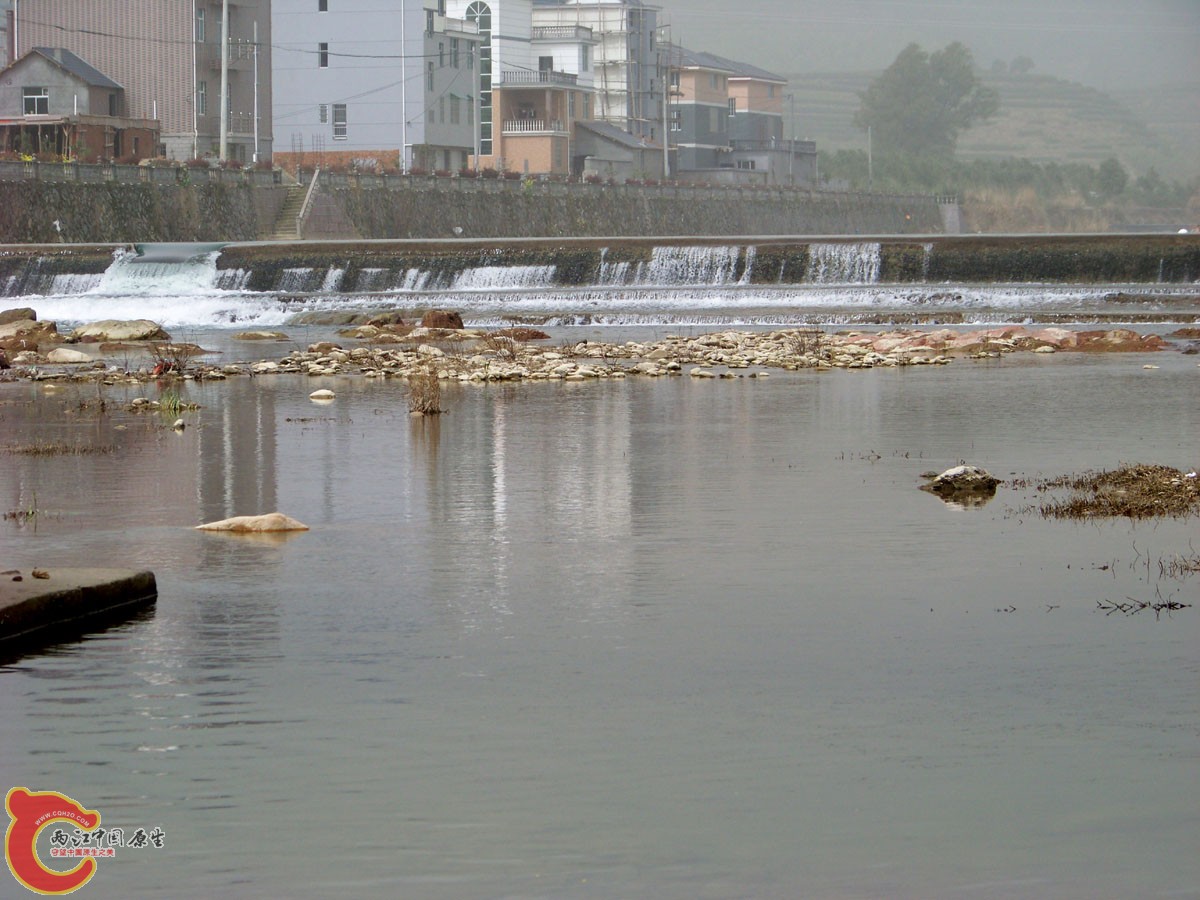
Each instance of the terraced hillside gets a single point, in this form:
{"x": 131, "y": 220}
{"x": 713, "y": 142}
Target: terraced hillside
{"x": 1041, "y": 117}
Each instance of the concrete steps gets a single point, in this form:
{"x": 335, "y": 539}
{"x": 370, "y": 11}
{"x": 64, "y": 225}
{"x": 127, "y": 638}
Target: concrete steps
{"x": 285, "y": 228}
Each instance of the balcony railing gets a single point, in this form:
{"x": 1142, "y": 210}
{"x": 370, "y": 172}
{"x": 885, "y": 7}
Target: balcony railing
{"x": 562, "y": 33}
{"x": 534, "y": 126}
{"x": 782, "y": 146}
{"x": 521, "y": 76}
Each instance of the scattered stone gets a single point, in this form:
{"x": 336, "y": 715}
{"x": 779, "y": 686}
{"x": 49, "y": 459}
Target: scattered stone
{"x": 17, "y": 314}
{"x": 40, "y": 573}
{"x": 441, "y": 318}
{"x": 260, "y": 336}
{"x": 323, "y": 394}
{"x": 66, "y": 355}
{"x": 269, "y": 522}
{"x": 179, "y": 425}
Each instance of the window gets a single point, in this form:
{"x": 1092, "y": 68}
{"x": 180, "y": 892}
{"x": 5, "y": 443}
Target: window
{"x": 322, "y": 56}
{"x": 471, "y": 111}
{"x": 733, "y": 106}
{"x": 545, "y": 63}
{"x": 677, "y": 120}
{"x": 429, "y": 21}
{"x": 714, "y": 119}
{"x": 429, "y": 76}
{"x": 455, "y": 112}
{"x": 585, "y": 62}
{"x": 37, "y": 101}
{"x": 202, "y": 98}
{"x": 323, "y": 113}
{"x": 571, "y": 105}
{"x": 441, "y": 110}
{"x": 746, "y": 164}
{"x": 675, "y": 80}
{"x": 770, "y": 90}
{"x": 712, "y": 80}
{"x": 339, "y": 121}
{"x": 200, "y": 24}
{"x": 114, "y": 106}
{"x": 454, "y": 52}
{"x": 441, "y": 54}
{"x": 322, "y": 5}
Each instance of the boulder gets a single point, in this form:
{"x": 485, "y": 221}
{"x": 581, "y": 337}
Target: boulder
{"x": 441, "y": 318}
{"x": 65, "y": 355}
{"x": 962, "y": 479}
{"x": 19, "y": 314}
{"x": 260, "y": 336}
{"x": 29, "y": 330}
{"x": 268, "y": 522}
{"x": 120, "y": 330}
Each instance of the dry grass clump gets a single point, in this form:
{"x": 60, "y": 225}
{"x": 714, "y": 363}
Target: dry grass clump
{"x": 424, "y": 394}
{"x": 1134, "y": 491}
{"x": 58, "y": 448}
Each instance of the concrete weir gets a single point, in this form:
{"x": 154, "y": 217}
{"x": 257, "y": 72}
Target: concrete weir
{"x": 40, "y": 606}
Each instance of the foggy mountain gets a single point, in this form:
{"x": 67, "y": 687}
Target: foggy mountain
{"x": 1109, "y": 44}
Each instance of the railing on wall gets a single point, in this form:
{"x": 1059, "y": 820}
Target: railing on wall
{"x": 96, "y": 173}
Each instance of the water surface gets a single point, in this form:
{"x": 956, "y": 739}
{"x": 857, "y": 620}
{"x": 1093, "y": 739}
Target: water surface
{"x": 641, "y": 638}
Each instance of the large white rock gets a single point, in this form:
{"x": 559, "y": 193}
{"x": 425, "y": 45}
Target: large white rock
{"x": 275, "y": 521}
{"x": 121, "y": 330}
{"x": 66, "y": 355}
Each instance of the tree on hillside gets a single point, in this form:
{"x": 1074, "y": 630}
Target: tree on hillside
{"x": 1111, "y": 178}
{"x": 922, "y": 102}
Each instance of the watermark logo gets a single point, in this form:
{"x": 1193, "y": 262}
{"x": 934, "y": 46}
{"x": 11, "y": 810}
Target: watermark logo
{"x": 32, "y": 812}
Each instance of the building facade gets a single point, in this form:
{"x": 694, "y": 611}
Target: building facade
{"x": 535, "y": 87}
{"x": 375, "y": 84}
{"x": 628, "y": 61}
{"x": 726, "y": 123}
{"x": 168, "y": 58}
{"x": 53, "y": 105}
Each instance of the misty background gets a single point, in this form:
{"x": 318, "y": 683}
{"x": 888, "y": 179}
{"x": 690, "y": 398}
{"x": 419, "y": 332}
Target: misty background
{"x": 1109, "y": 44}
{"x": 1138, "y": 62}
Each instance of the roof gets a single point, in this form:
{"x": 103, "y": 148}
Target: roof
{"x": 702, "y": 59}
{"x": 69, "y": 62}
{"x": 617, "y": 136}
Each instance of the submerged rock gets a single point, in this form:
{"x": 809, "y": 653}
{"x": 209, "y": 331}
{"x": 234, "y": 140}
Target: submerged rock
{"x": 275, "y": 521}
{"x": 963, "y": 483}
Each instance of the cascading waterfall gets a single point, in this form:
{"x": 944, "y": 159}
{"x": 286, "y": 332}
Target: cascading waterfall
{"x": 136, "y": 274}
{"x": 850, "y": 263}
{"x": 690, "y": 265}
{"x": 482, "y": 278}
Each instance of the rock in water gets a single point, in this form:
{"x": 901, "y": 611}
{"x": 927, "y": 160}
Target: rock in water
{"x": 962, "y": 479}
{"x": 256, "y": 524}
{"x": 121, "y": 330}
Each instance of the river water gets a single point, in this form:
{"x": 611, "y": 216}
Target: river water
{"x": 644, "y": 638}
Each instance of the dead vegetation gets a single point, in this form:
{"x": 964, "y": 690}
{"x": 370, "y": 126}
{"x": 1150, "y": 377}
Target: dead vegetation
{"x": 424, "y": 394}
{"x": 1132, "y": 491}
{"x": 58, "y": 448}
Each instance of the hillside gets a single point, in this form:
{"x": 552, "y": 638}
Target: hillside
{"x": 1041, "y": 118}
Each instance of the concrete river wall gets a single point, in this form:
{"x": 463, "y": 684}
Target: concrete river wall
{"x": 383, "y": 266}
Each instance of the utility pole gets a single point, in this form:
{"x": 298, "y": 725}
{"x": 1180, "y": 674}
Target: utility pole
{"x": 255, "y": 91}
{"x": 870, "y": 167}
{"x": 792, "y": 154}
{"x": 223, "y": 149}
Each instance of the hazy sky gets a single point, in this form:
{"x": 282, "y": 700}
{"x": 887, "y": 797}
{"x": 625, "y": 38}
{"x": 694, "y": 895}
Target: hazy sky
{"x": 1103, "y": 43}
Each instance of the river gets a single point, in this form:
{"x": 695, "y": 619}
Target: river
{"x": 644, "y": 638}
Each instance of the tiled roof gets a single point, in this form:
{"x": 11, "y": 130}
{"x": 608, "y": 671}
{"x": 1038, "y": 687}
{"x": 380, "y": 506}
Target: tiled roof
{"x": 682, "y": 56}
{"x": 85, "y": 72}
{"x": 616, "y": 135}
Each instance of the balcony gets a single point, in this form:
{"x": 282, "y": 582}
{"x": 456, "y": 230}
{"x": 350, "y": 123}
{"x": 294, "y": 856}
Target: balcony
{"x": 521, "y": 78}
{"x": 534, "y": 126}
{"x": 562, "y": 33}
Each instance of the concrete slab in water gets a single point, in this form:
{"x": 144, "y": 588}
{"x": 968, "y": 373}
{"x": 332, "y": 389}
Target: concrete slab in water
{"x": 67, "y": 602}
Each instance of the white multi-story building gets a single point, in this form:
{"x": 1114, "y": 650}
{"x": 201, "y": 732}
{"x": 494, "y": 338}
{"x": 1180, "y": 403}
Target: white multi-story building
{"x": 535, "y": 87}
{"x": 628, "y": 64}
